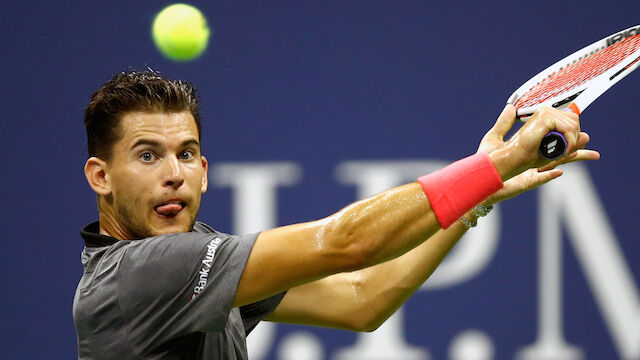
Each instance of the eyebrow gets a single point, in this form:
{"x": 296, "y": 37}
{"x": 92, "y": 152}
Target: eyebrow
{"x": 154, "y": 143}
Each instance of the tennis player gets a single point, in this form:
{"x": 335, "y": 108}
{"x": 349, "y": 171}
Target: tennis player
{"x": 158, "y": 284}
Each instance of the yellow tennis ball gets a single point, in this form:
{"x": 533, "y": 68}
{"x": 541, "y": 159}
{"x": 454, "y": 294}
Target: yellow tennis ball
{"x": 180, "y": 32}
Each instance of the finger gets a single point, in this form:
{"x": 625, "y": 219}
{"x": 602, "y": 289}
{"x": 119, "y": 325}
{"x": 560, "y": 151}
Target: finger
{"x": 525, "y": 181}
{"x": 568, "y": 123}
{"x": 582, "y": 155}
{"x": 583, "y": 139}
{"x": 581, "y": 142}
{"x": 546, "y": 176}
{"x": 578, "y": 155}
{"x": 504, "y": 123}
{"x": 535, "y": 179}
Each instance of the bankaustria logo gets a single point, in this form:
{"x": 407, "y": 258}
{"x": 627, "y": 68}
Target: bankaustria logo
{"x": 207, "y": 262}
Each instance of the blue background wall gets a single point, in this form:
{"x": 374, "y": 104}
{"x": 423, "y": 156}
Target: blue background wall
{"x": 315, "y": 83}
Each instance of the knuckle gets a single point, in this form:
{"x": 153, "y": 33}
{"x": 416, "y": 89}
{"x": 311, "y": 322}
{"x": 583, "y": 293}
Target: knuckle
{"x": 544, "y": 110}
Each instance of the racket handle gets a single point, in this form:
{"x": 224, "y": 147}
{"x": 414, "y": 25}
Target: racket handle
{"x": 554, "y": 144}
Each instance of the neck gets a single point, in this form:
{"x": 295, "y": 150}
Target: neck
{"x": 109, "y": 226}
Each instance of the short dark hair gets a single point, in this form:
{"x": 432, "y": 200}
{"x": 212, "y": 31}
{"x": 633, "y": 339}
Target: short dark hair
{"x": 131, "y": 91}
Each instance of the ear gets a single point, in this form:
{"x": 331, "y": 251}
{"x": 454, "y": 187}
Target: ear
{"x": 95, "y": 170}
{"x": 205, "y": 180}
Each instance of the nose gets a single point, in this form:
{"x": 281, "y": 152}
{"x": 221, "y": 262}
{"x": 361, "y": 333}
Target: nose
{"x": 174, "y": 173}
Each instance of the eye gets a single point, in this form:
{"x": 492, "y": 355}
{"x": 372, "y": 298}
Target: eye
{"x": 147, "y": 156}
{"x": 186, "y": 155}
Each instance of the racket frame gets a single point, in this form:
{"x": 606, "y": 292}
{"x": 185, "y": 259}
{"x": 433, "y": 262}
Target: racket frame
{"x": 584, "y": 94}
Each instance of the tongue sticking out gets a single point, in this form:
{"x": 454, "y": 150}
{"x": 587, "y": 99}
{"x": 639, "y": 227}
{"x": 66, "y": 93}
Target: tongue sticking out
{"x": 169, "y": 209}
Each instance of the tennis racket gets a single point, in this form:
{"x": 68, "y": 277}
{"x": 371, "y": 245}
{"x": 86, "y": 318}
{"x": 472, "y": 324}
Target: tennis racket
{"x": 574, "y": 82}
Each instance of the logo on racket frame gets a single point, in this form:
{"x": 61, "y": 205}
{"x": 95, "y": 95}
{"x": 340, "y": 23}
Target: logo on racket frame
{"x": 622, "y": 35}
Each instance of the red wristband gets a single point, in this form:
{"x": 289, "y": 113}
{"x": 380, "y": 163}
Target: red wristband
{"x": 459, "y": 187}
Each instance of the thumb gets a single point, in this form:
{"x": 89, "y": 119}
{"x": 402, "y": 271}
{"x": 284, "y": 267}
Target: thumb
{"x": 504, "y": 123}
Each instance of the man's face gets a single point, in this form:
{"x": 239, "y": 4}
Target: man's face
{"x": 157, "y": 176}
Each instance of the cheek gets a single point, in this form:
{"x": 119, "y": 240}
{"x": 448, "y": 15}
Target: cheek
{"x": 195, "y": 178}
{"x": 130, "y": 191}
{"x": 129, "y": 199}
{"x": 195, "y": 186}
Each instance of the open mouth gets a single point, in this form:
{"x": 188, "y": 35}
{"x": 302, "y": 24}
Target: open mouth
{"x": 170, "y": 208}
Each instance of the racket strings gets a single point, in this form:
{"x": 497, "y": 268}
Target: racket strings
{"x": 579, "y": 72}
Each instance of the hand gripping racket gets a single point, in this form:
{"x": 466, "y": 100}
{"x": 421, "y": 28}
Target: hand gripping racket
{"x": 574, "y": 82}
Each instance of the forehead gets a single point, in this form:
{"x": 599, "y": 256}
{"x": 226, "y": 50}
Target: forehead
{"x": 157, "y": 125}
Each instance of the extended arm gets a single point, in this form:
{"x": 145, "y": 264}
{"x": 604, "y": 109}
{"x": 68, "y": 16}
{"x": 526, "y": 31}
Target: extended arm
{"x": 364, "y": 233}
{"x": 377, "y": 229}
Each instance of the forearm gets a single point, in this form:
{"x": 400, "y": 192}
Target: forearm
{"x": 394, "y": 222}
{"x": 382, "y": 227}
{"x": 383, "y": 288}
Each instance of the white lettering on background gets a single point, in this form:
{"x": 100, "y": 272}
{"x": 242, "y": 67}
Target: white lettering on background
{"x": 574, "y": 199}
